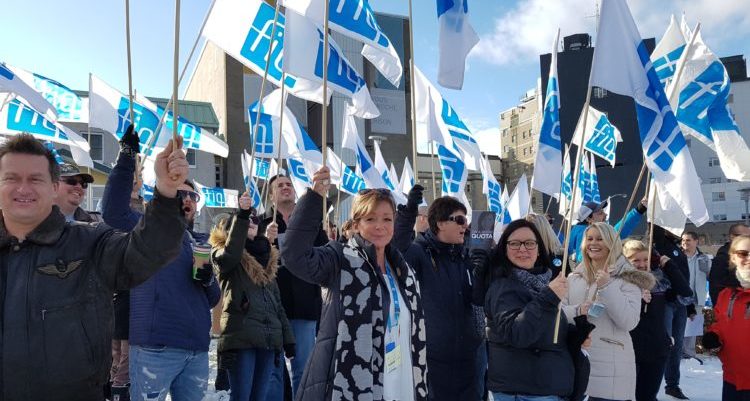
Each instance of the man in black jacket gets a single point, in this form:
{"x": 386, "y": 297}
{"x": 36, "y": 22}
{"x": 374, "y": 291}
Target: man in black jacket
{"x": 720, "y": 277}
{"x": 57, "y": 278}
{"x": 302, "y": 300}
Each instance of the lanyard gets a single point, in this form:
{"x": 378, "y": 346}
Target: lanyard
{"x": 394, "y": 296}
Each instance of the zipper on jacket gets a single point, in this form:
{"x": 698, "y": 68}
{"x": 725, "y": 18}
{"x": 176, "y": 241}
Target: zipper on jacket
{"x": 611, "y": 341}
{"x": 730, "y": 309}
{"x": 58, "y": 308}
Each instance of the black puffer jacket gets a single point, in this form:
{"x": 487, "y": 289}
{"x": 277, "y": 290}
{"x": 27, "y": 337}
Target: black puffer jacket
{"x": 57, "y": 288}
{"x": 523, "y": 359}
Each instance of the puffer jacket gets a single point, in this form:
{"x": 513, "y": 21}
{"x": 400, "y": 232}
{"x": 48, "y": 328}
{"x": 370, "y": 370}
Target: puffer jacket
{"x": 253, "y": 316}
{"x": 732, "y": 326}
{"x": 56, "y": 289}
{"x": 613, "y": 374}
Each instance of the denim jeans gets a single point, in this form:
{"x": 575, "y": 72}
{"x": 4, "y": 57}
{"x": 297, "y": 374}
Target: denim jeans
{"x": 675, "y": 315}
{"x": 481, "y": 371}
{"x": 510, "y": 397}
{"x": 600, "y": 399}
{"x": 156, "y": 371}
{"x": 275, "y": 390}
{"x": 304, "y": 335}
{"x": 249, "y": 377}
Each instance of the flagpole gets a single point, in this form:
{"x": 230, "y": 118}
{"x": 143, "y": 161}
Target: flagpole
{"x": 413, "y": 102}
{"x": 175, "y": 71}
{"x": 130, "y": 69}
{"x": 278, "y": 144}
{"x": 324, "y": 109}
{"x": 632, "y": 195}
{"x": 432, "y": 169}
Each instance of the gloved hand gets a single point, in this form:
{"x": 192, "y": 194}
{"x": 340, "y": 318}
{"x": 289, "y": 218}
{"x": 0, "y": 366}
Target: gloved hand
{"x": 130, "y": 142}
{"x": 711, "y": 340}
{"x": 415, "y": 198}
{"x": 290, "y": 351}
{"x": 480, "y": 260}
{"x": 691, "y": 312}
{"x": 204, "y": 275}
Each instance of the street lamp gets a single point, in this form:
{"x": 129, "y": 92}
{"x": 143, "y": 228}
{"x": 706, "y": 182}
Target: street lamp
{"x": 745, "y": 195}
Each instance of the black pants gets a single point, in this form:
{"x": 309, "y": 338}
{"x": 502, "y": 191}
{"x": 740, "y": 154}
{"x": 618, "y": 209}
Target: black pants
{"x": 450, "y": 381}
{"x": 649, "y": 374}
{"x": 730, "y": 393}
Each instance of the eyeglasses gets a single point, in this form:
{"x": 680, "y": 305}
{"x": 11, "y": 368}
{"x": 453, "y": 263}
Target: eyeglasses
{"x": 741, "y": 253}
{"x": 73, "y": 181}
{"x": 528, "y": 245}
{"x": 458, "y": 219}
{"x": 184, "y": 194}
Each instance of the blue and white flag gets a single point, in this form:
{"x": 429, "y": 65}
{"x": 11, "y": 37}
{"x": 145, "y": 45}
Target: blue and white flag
{"x": 17, "y": 117}
{"x": 58, "y": 159}
{"x": 250, "y": 185}
{"x": 601, "y": 135}
{"x": 299, "y": 175}
{"x": 455, "y": 41}
{"x": 566, "y": 187}
{"x": 15, "y": 86}
{"x": 438, "y": 122}
{"x": 355, "y": 18}
{"x": 70, "y": 107}
{"x": 622, "y": 65}
{"x": 703, "y": 111}
{"x": 594, "y": 181}
{"x": 351, "y": 140}
{"x": 393, "y": 176}
{"x": 194, "y": 137}
{"x": 584, "y": 180}
{"x": 303, "y": 57}
{"x": 668, "y": 52}
{"x": 242, "y": 28}
{"x": 342, "y": 176}
{"x": 382, "y": 167}
{"x": 216, "y": 197}
{"x": 492, "y": 189}
{"x": 548, "y": 163}
{"x": 268, "y": 131}
{"x": 407, "y": 177}
{"x": 454, "y": 172}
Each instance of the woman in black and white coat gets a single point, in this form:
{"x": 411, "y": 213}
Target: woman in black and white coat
{"x": 371, "y": 339}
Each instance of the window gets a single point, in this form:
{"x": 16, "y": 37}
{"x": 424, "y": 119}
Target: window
{"x": 523, "y": 135}
{"x": 720, "y": 217}
{"x": 524, "y": 151}
{"x": 218, "y": 171}
{"x": 505, "y": 149}
{"x": 190, "y": 156}
{"x": 745, "y": 216}
{"x": 599, "y": 93}
{"x": 713, "y": 162}
{"x": 714, "y": 180}
{"x": 95, "y": 141}
{"x": 513, "y": 139}
{"x": 718, "y": 196}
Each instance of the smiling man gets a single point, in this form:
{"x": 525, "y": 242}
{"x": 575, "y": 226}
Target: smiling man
{"x": 71, "y": 192}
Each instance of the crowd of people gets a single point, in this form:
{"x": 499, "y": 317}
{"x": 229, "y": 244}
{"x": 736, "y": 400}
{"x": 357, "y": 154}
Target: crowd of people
{"x": 396, "y": 306}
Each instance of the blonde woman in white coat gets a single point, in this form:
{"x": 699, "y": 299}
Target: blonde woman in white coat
{"x": 607, "y": 289}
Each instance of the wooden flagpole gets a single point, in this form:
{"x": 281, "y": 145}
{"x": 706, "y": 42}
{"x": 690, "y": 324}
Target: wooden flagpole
{"x": 324, "y": 108}
{"x": 278, "y": 144}
{"x": 413, "y": 102}
{"x": 130, "y": 68}
{"x": 175, "y": 69}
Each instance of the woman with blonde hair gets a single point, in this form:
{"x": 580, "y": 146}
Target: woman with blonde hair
{"x": 371, "y": 343}
{"x": 550, "y": 240}
{"x": 607, "y": 289}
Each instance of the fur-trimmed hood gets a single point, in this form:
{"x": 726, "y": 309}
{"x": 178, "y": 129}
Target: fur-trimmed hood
{"x": 624, "y": 270}
{"x": 258, "y": 274}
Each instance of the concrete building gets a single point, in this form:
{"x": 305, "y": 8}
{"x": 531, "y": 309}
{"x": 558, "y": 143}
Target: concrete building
{"x": 519, "y": 134}
{"x": 232, "y": 88}
{"x": 726, "y": 201}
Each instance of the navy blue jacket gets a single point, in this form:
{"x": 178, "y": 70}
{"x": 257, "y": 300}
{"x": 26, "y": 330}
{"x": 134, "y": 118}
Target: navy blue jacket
{"x": 169, "y": 309}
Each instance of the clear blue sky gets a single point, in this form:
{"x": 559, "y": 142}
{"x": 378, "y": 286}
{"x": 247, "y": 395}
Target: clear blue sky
{"x": 65, "y": 40}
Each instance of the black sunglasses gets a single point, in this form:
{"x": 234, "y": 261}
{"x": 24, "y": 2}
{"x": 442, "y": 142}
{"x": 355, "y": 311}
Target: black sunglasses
{"x": 73, "y": 181}
{"x": 742, "y": 253}
{"x": 184, "y": 194}
{"x": 459, "y": 219}
{"x": 381, "y": 191}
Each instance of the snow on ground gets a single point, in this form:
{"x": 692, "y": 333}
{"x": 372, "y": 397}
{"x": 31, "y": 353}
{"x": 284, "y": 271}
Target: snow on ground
{"x": 699, "y": 382}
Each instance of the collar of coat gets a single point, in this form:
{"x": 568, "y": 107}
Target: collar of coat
{"x": 430, "y": 240}
{"x": 622, "y": 269}
{"x": 46, "y": 233}
{"x": 258, "y": 274}
{"x": 393, "y": 257}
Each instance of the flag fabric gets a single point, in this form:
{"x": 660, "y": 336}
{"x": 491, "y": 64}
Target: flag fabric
{"x": 454, "y": 172}
{"x": 250, "y": 185}
{"x": 303, "y": 57}
{"x": 69, "y": 106}
{"x": 566, "y": 187}
{"x": 266, "y": 141}
{"x": 58, "y": 159}
{"x": 548, "y": 163}
{"x": 493, "y": 190}
{"x": 299, "y": 175}
{"x": 242, "y": 28}
{"x": 407, "y": 177}
{"x": 667, "y": 52}
{"x": 216, "y": 197}
{"x": 584, "y": 180}
{"x": 342, "y": 176}
{"x": 601, "y": 135}
{"x": 594, "y": 181}
{"x": 438, "y": 122}
{"x": 17, "y": 117}
{"x": 355, "y": 19}
{"x": 622, "y": 65}
{"x": 382, "y": 167}
{"x": 393, "y": 176}
{"x": 456, "y": 38}
{"x": 14, "y": 85}
{"x": 194, "y": 137}
{"x": 518, "y": 204}
{"x": 703, "y": 111}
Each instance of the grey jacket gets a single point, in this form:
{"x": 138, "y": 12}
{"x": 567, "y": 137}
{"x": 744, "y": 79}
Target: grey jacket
{"x": 57, "y": 288}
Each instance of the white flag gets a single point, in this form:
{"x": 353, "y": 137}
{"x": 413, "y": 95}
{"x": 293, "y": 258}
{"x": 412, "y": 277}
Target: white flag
{"x": 70, "y": 107}
{"x": 216, "y": 197}
{"x": 11, "y": 83}
{"x": 667, "y": 52}
{"x": 250, "y": 185}
{"x": 407, "y": 177}
{"x": 566, "y": 188}
{"x": 518, "y": 205}
{"x": 455, "y": 41}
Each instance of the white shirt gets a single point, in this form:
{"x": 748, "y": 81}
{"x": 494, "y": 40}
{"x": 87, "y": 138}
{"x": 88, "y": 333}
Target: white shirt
{"x": 398, "y": 383}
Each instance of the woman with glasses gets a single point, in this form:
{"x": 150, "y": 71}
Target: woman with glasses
{"x": 521, "y": 305}
{"x": 443, "y": 269}
{"x": 371, "y": 339}
{"x": 730, "y": 333}
{"x": 254, "y": 327}
{"x": 607, "y": 289}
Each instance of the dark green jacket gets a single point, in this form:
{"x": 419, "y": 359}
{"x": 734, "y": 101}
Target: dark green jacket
{"x": 252, "y": 315}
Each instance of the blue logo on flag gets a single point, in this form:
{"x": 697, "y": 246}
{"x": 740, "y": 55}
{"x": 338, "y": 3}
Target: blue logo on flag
{"x": 214, "y": 197}
{"x": 348, "y": 14}
{"x": 452, "y": 120}
{"x": 68, "y": 105}
{"x": 603, "y": 142}
{"x": 262, "y": 168}
{"x": 6, "y": 73}
{"x": 24, "y": 118}
{"x": 666, "y": 65}
{"x": 351, "y": 182}
{"x": 566, "y": 188}
{"x": 550, "y": 131}
{"x": 387, "y": 180}
{"x": 363, "y": 159}
{"x": 264, "y": 143}
{"x": 493, "y": 197}
{"x": 660, "y": 147}
{"x": 699, "y": 96}
{"x": 51, "y": 147}
{"x": 145, "y": 120}
{"x": 190, "y": 133}
{"x": 339, "y": 70}
{"x": 453, "y": 169}
{"x": 297, "y": 170}
{"x": 258, "y": 41}
{"x": 147, "y": 192}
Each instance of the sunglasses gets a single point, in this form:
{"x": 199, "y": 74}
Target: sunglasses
{"x": 380, "y": 191}
{"x": 459, "y": 219}
{"x": 184, "y": 194}
{"x": 742, "y": 253}
{"x": 73, "y": 181}
{"x": 516, "y": 245}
